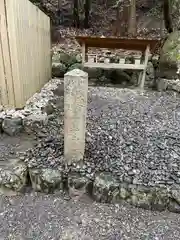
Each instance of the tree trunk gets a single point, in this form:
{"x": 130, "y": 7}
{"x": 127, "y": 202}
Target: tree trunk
{"x": 132, "y": 28}
{"x": 59, "y": 4}
{"x": 167, "y": 16}
{"x": 76, "y": 14}
{"x": 86, "y": 13}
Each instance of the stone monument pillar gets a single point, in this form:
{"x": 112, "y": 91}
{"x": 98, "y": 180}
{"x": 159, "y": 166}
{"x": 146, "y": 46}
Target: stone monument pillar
{"x": 75, "y": 111}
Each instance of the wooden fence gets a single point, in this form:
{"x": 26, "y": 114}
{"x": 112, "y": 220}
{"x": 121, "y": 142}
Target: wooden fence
{"x": 25, "y": 57}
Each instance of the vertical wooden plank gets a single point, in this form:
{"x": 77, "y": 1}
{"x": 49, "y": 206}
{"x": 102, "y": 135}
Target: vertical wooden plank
{"x": 29, "y": 38}
{"x": 33, "y": 45}
{"x": 83, "y": 53}
{"x": 7, "y": 84}
{"x": 14, "y": 48}
{"x": 21, "y": 41}
{"x": 3, "y": 85}
{"x": 48, "y": 46}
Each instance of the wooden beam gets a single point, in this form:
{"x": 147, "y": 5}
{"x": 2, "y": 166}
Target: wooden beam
{"x": 114, "y": 66}
{"x": 145, "y": 67}
{"x": 84, "y": 53}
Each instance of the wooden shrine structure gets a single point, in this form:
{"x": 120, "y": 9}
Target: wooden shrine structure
{"x": 145, "y": 46}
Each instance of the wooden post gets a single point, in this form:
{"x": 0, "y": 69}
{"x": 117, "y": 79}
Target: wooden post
{"x": 84, "y": 53}
{"x": 145, "y": 67}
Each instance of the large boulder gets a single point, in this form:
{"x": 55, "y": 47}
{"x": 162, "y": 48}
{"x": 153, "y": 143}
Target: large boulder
{"x": 58, "y": 69}
{"x": 68, "y": 59}
{"x": 169, "y": 56}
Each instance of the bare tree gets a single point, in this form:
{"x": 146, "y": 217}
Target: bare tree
{"x": 76, "y": 14}
{"x": 87, "y": 7}
{"x": 121, "y": 22}
{"x": 59, "y": 4}
{"x": 167, "y": 16}
{"x": 132, "y": 28}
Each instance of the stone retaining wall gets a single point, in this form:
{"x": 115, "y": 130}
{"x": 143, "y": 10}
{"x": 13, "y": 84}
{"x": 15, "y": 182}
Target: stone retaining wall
{"x": 36, "y": 111}
{"x": 104, "y": 187}
{"x": 101, "y": 186}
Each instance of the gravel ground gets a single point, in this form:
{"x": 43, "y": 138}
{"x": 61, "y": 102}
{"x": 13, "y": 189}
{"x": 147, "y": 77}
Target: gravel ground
{"x": 132, "y": 134}
{"x": 9, "y": 146}
{"x": 54, "y": 217}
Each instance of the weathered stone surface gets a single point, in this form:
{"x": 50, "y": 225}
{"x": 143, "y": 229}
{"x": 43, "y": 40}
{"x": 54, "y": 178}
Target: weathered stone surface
{"x": 169, "y": 56}
{"x": 68, "y": 59}
{"x": 13, "y": 175}
{"x": 79, "y": 182}
{"x": 124, "y": 191}
{"x": 140, "y": 196}
{"x": 160, "y": 199}
{"x": 161, "y": 84}
{"x": 59, "y": 91}
{"x": 174, "y": 207}
{"x": 58, "y": 69}
{"x": 175, "y": 194}
{"x": 46, "y": 179}
{"x": 105, "y": 188}
{"x": 79, "y": 58}
{"x": 75, "y": 111}
{"x": 35, "y": 121}
{"x": 75, "y": 66}
{"x": 48, "y": 109}
{"x": 174, "y": 85}
{"x": 58, "y": 103}
{"x": 12, "y": 126}
{"x": 166, "y": 84}
{"x": 150, "y": 75}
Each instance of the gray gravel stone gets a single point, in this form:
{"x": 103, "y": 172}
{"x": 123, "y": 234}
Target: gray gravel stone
{"x": 175, "y": 194}
{"x": 105, "y": 188}
{"x": 46, "y": 180}
{"x": 35, "y": 121}
{"x": 133, "y": 132}
{"x": 13, "y": 175}
{"x": 79, "y": 182}
{"x": 12, "y": 126}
